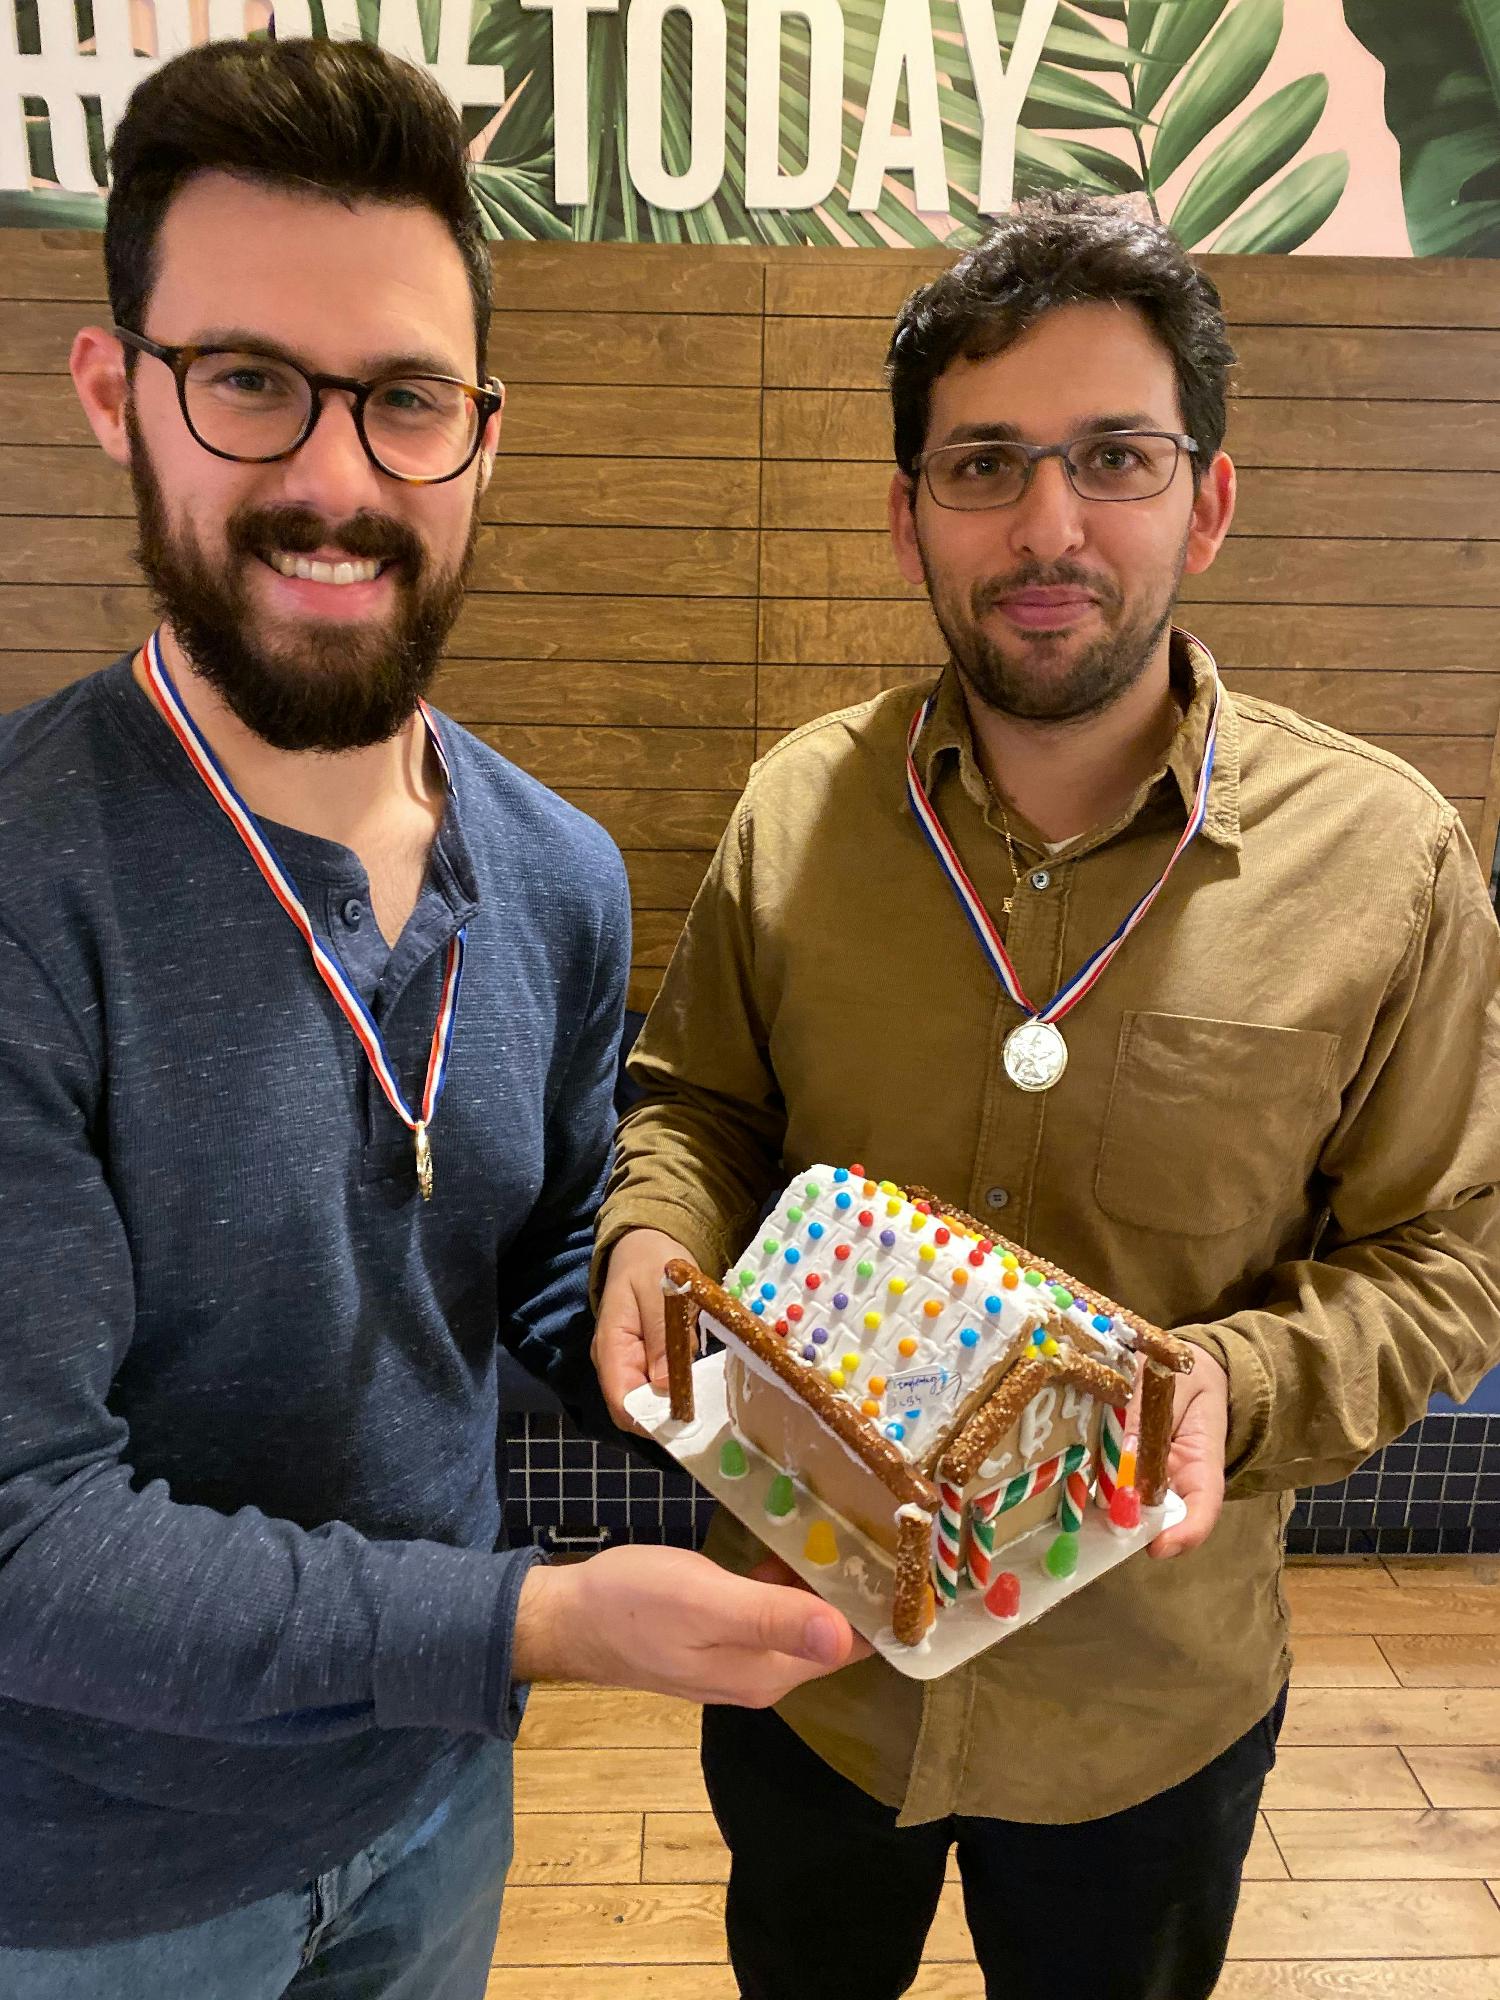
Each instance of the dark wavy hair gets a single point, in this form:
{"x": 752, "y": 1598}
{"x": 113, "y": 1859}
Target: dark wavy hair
{"x": 335, "y": 118}
{"x": 1055, "y": 250}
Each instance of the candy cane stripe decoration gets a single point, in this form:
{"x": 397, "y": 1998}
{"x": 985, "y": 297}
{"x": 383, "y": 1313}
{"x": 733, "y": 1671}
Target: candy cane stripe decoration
{"x": 1026, "y": 1485}
{"x": 1111, "y": 1444}
{"x": 948, "y": 1543}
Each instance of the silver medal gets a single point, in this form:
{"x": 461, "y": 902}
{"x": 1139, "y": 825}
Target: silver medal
{"x": 1035, "y": 1055}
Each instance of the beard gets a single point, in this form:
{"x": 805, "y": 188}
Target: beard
{"x": 320, "y": 685}
{"x": 1031, "y": 677}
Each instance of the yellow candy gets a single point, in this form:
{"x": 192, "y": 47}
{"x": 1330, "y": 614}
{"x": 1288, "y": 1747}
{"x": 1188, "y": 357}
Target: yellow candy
{"x": 821, "y": 1546}
{"x": 836, "y": 1377}
{"x": 1049, "y": 1345}
{"x": 898, "y": 1286}
{"x": 893, "y": 1206}
{"x": 927, "y": 1253}
{"x": 918, "y": 1220}
{"x": 850, "y": 1362}
{"x": 1010, "y": 1262}
{"x": 872, "y": 1320}
{"x": 889, "y": 1187}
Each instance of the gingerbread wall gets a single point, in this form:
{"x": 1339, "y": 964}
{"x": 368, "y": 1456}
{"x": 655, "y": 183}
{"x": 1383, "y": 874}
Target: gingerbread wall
{"x": 683, "y": 555}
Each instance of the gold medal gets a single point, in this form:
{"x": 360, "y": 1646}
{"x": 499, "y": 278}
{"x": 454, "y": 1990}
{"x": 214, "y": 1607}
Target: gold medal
{"x": 424, "y": 1160}
{"x": 1035, "y": 1055}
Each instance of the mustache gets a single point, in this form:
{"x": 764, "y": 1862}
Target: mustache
{"x": 1044, "y": 576}
{"x": 298, "y": 531}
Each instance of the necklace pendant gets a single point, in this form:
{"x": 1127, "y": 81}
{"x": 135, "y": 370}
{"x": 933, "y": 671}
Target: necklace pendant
{"x": 1007, "y": 906}
{"x": 424, "y": 1160}
{"x": 1035, "y": 1055}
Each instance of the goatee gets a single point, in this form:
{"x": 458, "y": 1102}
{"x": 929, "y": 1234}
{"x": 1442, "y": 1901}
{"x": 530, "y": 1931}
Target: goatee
{"x": 315, "y": 685}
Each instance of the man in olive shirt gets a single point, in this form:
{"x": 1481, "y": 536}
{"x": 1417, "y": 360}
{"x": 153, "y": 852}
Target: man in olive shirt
{"x": 1273, "y": 1121}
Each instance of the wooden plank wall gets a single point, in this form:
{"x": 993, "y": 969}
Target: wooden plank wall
{"x": 683, "y": 554}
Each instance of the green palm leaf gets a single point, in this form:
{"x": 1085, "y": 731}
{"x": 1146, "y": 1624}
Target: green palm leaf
{"x": 1219, "y": 78}
{"x": 1293, "y": 210}
{"x": 1173, "y": 36}
{"x": 1258, "y": 148}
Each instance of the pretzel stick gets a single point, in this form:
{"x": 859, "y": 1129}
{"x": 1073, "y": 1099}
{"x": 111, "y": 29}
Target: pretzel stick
{"x": 682, "y": 1316}
{"x": 913, "y": 1606}
{"x": 1156, "y": 1435}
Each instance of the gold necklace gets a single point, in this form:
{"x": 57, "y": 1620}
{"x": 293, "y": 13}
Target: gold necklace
{"x": 1015, "y": 867}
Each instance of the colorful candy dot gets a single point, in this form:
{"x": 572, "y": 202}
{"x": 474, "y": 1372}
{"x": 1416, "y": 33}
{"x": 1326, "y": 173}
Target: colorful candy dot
{"x": 869, "y": 1409}
{"x": 1010, "y": 1281}
{"x": 1062, "y": 1296}
{"x": 732, "y": 1461}
{"x": 794, "y": 1312}
{"x": 815, "y": 1231}
{"x": 851, "y": 1362}
{"x": 781, "y": 1499}
{"x": 912, "y": 1416}
{"x": 866, "y": 1218}
{"x": 969, "y": 1337}
{"x": 809, "y": 1353}
{"x": 840, "y": 1300}
{"x": 941, "y": 1235}
{"x": 1049, "y": 1345}
{"x": 864, "y": 1269}
{"x": 918, "y": 1221}
{"x": 889, "y": 1187}
{"x": 1033, "y": 1277}
{"x": 794, "y": 1215}
{"x": 768, "y": 1291}
{"x": 932, "y": 1308}
{"x": 770, "y": 1246}
{"x": 820, "y": 1334}
{"x": 992, "y": 1303}
{"x": 794, "y": 1255}
{"x": 896, "y": 1431}
{"x": 836, "y": 1377}
{"x": 1010, "y": 1261}
{"x": 906, "y": 1346}
{"x": 960, "y": 1276}
{"x": 1038, "y": 1335}
{"x": 927, "y": 1253}
{"x": 986, "y": 1247}
{"x": 887, "y": 1239}
{"x": 898, "y": 1286}
{"x": 844, "y": 1200}
{"x": 840, "y": 1175}
{"x": 781, "y": 1326}
{"x": 868, "y": 1189}
{"x": 813, "y": 1281}
{"x": 842, "y": 1253}
{"x": 877, "y": 1385}
{"x": 1101, "y": 1323}
{"x": 924, "y": 1208}
{"x": 976, "y": 1258}
{"x": 758, "y": 1307}
{"x": 857, "y": 1170}
{"x": 872, "y": 1320}
{"x": 812, "y": 1190}
{"x": 893, "y": 1206}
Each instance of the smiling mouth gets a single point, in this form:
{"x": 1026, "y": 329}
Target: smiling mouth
{"x": 307, "y": 570}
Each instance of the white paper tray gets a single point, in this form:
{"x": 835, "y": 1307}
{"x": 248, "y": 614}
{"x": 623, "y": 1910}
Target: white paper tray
{"x": 859, "y": 1584}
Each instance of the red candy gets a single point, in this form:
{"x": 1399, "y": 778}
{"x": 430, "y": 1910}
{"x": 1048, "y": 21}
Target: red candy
{"x": 781, "y": 1326}
{"x": 1003, "y": 1598}
{"x": 1125, "y": 1508}
{"x": 986, "y": 1247}
{"x": 813, "y": 1281}
{"x": 843, "y": 1252}
{"x": 976, "y": 1257}
{"x": 866, "y": 1219}
{"x": 794, "y": 1312}
{"x": 922, "y": 1207}
{"x": 941, "y": 1235}
{"x": 857, "y": 1171}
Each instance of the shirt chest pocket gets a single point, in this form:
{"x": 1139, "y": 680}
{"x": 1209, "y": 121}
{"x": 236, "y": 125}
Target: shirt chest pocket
{"x": 1211, "y": 1123}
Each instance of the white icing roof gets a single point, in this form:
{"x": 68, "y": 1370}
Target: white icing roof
{"x": 900, "y": 1310}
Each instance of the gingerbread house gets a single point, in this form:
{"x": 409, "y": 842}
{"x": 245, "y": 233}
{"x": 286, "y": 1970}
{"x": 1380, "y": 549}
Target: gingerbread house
{"x": 937, "y": 1387}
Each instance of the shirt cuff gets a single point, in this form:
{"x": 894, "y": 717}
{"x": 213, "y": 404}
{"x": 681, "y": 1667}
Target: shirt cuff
{"x": 698, "y": 1234}
{"x": 445, "y": 1637}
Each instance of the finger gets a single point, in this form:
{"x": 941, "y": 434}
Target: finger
{"x": 777, "y": 1618}
{"x": 618, "y": 1358}
{"x": 1200, "y": 1487}
{"x": 771, "y": 1569}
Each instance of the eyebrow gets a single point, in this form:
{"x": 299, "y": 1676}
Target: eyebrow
{"x": 1089, "y": 426}
{"x": 372, "y": 368}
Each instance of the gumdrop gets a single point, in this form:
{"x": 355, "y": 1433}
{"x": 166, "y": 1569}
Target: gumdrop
{"x": 1003, "y": 1598}
{"x": 732, "y": 1461}
{"x": 821, "y": 1546}
{"x": 781, "y": 1500}
{"x": 1061, "y": 1560}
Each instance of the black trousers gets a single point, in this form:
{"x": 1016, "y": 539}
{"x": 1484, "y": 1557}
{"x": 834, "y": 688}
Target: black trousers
{"x": 830, "y": 1900}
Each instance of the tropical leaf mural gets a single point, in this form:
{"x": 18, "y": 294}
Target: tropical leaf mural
{"x": 1442, "y": 100}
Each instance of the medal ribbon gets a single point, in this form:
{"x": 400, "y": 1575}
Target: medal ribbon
{"x": 992, "y": 944}
{"x": 325, "y": 959}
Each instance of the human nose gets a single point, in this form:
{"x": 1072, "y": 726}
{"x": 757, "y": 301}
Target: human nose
{"x": 330, "y": 471}
{"x": 1047, "y": 521}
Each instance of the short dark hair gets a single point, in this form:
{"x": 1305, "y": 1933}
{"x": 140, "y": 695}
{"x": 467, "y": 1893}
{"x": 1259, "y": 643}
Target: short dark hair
{"x": 335, "y": 118}
{"x": 1054, "y": 250}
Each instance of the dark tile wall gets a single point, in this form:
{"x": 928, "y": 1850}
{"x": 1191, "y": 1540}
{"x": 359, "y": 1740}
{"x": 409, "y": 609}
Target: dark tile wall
{"x": 1436, "y": 1490}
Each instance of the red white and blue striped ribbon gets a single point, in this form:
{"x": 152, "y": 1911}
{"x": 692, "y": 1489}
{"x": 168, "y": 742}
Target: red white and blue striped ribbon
{"x": 329, "y": 967}
{"x": 1069, "y": 995}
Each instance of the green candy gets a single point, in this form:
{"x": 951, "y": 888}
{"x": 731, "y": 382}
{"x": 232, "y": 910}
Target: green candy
{"x": 1061, "y": 1559}
{"x": 794, "y": 1215}
{"x": 781, "y": 1500}
{"x": 732, "y": 1461}
{"x": 812, "y": 1190}
{"x": 770, "y": 1246}
{"x": 1033, "y": 1277}
{"x": 865, "y": 1270}
{"x": 1062, "y": 1296}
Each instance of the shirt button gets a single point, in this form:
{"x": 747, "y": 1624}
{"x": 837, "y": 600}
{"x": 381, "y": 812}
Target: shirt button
{"x": 353, "y": 913}
{"x": 1041, "y": 879}
{"x": 996, "y": 1197}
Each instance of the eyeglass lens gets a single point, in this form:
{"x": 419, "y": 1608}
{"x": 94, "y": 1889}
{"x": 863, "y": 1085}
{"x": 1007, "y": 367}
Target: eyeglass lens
{"x": 1122, "y": 466}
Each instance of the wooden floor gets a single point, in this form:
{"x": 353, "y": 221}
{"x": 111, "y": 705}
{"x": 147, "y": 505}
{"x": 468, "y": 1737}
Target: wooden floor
{"x": 1375, "y": 1869}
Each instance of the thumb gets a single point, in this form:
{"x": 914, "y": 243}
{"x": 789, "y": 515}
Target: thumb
{"x": 776, "y": 1618}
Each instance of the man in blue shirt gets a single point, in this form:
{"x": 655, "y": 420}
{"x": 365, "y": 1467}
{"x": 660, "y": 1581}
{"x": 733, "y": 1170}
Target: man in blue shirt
{"x": 309, "y": 1005}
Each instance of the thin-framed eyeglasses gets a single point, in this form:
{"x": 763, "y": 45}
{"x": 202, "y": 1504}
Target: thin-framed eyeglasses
{"x": 1104, "y": 465}
{"x": 255, "y": 408}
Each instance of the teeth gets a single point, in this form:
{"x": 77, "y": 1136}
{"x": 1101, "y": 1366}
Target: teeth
{"x": 322, "y": 572}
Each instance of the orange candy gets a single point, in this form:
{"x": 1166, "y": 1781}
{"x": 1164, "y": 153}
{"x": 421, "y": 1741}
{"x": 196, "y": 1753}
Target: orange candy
{"x": 907, "y": 1346}
{"x": 869, "y": 1408}
{"x": 932, "y": 1308}
{"x": 1010, "y": 1280}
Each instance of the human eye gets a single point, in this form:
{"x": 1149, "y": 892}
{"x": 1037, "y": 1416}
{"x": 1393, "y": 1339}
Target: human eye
{"x": 247, "y": 378}
{"x": 415, "y": 401}
{"x": 1115, "y": 456}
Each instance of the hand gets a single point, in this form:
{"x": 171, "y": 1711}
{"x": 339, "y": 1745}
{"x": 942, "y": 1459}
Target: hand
{"x": 1195, "y": 1463}
{"x": 675, "y": 1623}
{"x": 630, "y": 1341}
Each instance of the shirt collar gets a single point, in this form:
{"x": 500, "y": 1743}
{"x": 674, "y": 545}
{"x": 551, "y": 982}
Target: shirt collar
{"x": 947, "y": 732}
